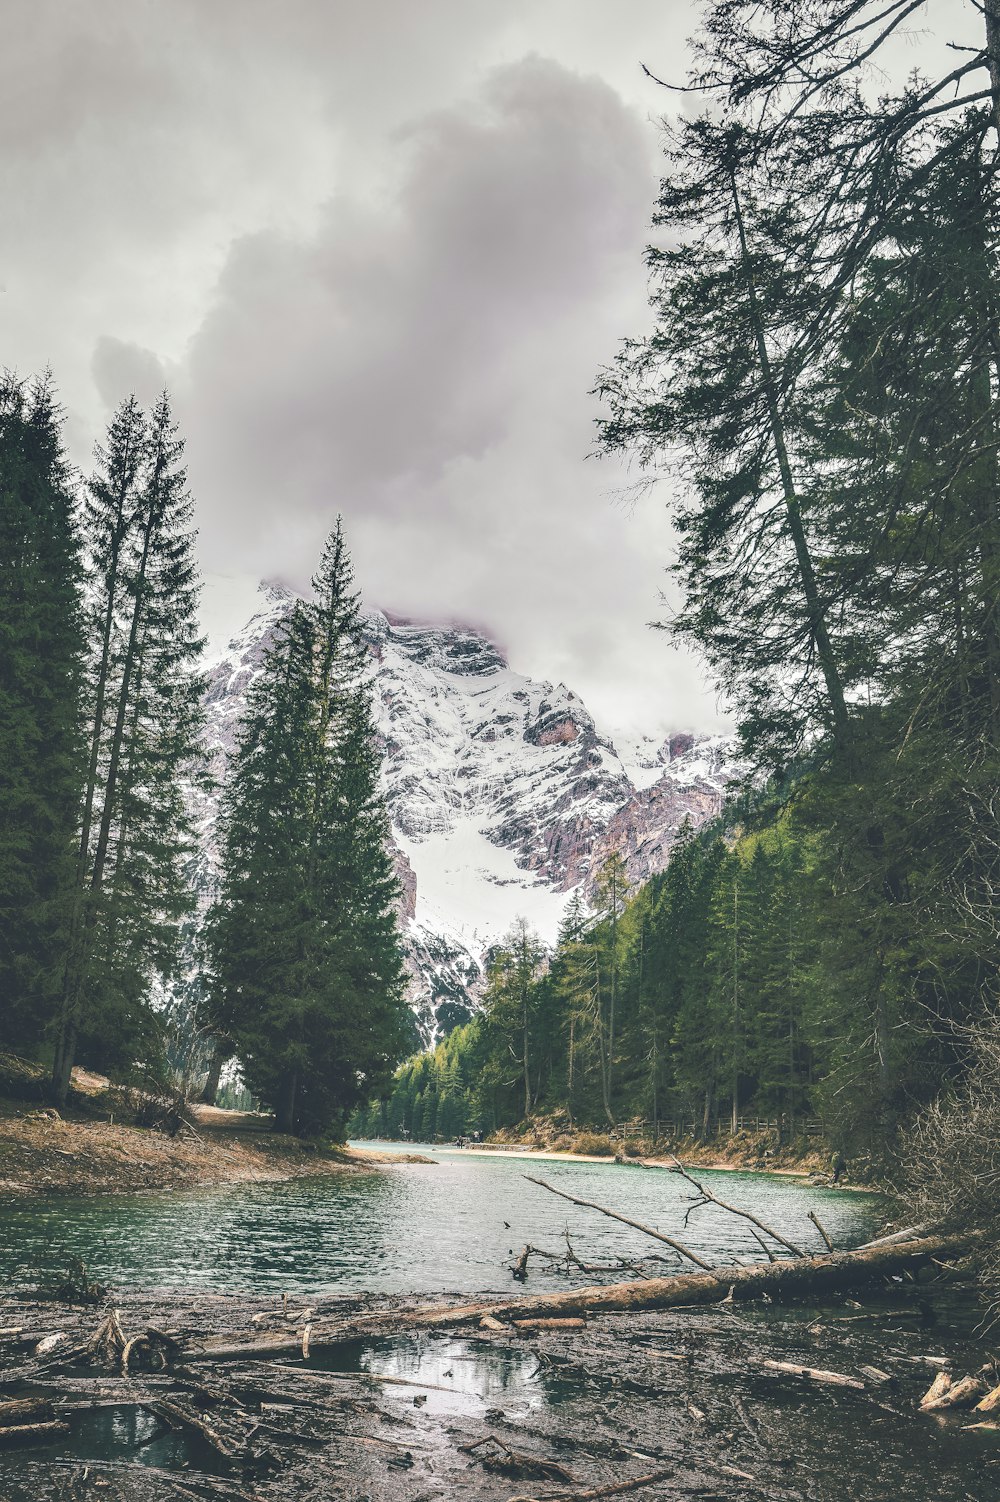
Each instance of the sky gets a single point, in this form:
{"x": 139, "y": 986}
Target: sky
{"x": 378, "y": 251}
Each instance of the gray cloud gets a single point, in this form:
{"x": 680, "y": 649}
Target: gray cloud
{"x": 120, "y": 368}
{"x": 379, "y": 251}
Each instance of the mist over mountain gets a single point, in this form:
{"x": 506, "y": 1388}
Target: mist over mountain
{"x": 503, "y": 794}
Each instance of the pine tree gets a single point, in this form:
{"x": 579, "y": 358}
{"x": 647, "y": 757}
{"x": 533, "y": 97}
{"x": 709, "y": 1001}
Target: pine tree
{"x": 610, "y": 891}
{"x": 144, "y": 725}
{"x": 41, "y": 645}
{"x": 308, "y": 977}
{"x": 512, "y": 1003}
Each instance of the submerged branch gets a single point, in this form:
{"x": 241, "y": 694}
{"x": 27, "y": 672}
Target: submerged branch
{"x": 708, "y": 1198}
{"x": 678, "y": 1246}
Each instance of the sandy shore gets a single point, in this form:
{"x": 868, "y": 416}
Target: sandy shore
{"x": 549, "y": 1154}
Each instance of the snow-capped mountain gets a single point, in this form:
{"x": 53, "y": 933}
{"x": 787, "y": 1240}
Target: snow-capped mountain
{"x": 502, "y": 794}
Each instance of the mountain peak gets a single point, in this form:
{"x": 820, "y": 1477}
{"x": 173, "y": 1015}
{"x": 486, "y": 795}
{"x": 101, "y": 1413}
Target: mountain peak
{"x": 502, "y": 793}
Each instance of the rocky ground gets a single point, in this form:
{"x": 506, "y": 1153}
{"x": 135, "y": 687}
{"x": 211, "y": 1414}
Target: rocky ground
{"x": 136, "y": 1402}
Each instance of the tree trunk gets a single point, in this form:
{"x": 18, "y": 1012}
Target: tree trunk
{"x": 284, "y": 1114}
{"x": 210, "y": 1092}
{"x": 795, "y": 1276}
{"x": 807, "y": 575}
{"x": 991, "y": 13}
{"x": 62, "y": 1062}
{"x": 76, "y": 976}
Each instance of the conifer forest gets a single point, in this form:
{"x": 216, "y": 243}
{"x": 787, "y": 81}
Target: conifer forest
{"x": 821, "y": 388}
{"x": 817, "y": 399}
{"x": 500, "y": 750}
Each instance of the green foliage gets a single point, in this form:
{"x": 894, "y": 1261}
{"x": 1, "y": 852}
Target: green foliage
{"x": 41, "y": 652}
{"x": 307, "y": 974}
{"x": 142, "y": 723}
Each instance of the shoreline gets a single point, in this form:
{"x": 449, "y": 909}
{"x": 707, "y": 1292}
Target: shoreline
{"x": 564, "y": 1156}
{"x": 42, "y": 1153}
{"x": 710, "y": 1164}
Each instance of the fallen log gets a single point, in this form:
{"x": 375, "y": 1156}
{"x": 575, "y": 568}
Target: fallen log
{"x": 941, "y": 1384}
{"x": 180, "y": 1418}
{"x": 19, "y": 1410}
{"x": 814, "y": 1374}
{"x": 615, "y": 1489}
{"x": 955, "y": 1395}
{"x": 816, "y": 1275}
{"x": 32, "y": 1434}
{"x": 577, "y": 1323}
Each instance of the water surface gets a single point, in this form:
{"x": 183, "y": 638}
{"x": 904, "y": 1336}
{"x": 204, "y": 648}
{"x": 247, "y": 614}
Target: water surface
{"x": 453, "y": 1224}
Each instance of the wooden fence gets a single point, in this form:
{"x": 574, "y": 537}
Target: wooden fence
{"x": 721, "y": 1128}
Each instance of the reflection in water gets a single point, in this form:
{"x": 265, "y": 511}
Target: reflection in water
{"x": 121, "y": 1432}
{"x": 461, "y": 1375}
{"x": 452, "y": 1224}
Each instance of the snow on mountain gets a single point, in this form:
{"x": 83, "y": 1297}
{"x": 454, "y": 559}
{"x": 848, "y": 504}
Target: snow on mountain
{"x": 502, "y": 794}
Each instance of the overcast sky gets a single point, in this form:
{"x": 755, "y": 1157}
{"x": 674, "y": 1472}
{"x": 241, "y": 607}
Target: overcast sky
{"x": 378, "y": 250}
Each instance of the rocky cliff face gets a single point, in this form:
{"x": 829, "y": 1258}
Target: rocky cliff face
{"x": 502, "y": 794}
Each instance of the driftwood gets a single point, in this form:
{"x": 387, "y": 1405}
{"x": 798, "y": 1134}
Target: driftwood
{"x": 20, "y": 1410}
{"x": 816, "y": 1275}
{"x": 496, "y": 1455}
{"x": 677, "y": 1246}
{"x": 32, "y": 1434}
{"x": 616, "y": 1489}
{"x": 814, "y": 1374}
{"x": 572, "y": 1323}
{"x": 942, "y": 1382}
{"x": 821, "y": 1229}
{"x": 179, "y": 1418}
{"x": 910, "y": 1233}
{"x": 943, "y": 1393}
{"x": 990, "y": 1403}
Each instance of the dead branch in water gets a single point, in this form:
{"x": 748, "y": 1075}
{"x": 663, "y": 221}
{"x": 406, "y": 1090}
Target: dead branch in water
{"x": 804, "y": 1275}
{"x": 709, "y": 1198}
{"x": 678, "y": 1246}
{"x": 821, "y": 1229}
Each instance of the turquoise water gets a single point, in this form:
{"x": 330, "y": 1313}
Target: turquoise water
{"x": 452, "y": 1224}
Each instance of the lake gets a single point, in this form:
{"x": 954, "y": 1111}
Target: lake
{"x": 452, "y": 1224}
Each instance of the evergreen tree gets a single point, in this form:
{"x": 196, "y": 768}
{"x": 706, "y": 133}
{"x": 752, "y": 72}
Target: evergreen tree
{"x": 308, "y": 976}
{"x": 144, "y": 723}
{"x": 610, "y": 890}
{"x": 40, "y": 683}
{"x": 512, "y": 1003}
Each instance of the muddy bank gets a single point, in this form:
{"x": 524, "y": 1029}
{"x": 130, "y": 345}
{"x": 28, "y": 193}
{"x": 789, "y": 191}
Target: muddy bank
{"x": 93, "y": 1147}
{"x": 683, "y": 1398}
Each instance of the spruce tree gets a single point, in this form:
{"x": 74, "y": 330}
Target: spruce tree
{"x": 144, "y": 720}
{"x": 41, "y": 646}
{"x": 307, "y": 969}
